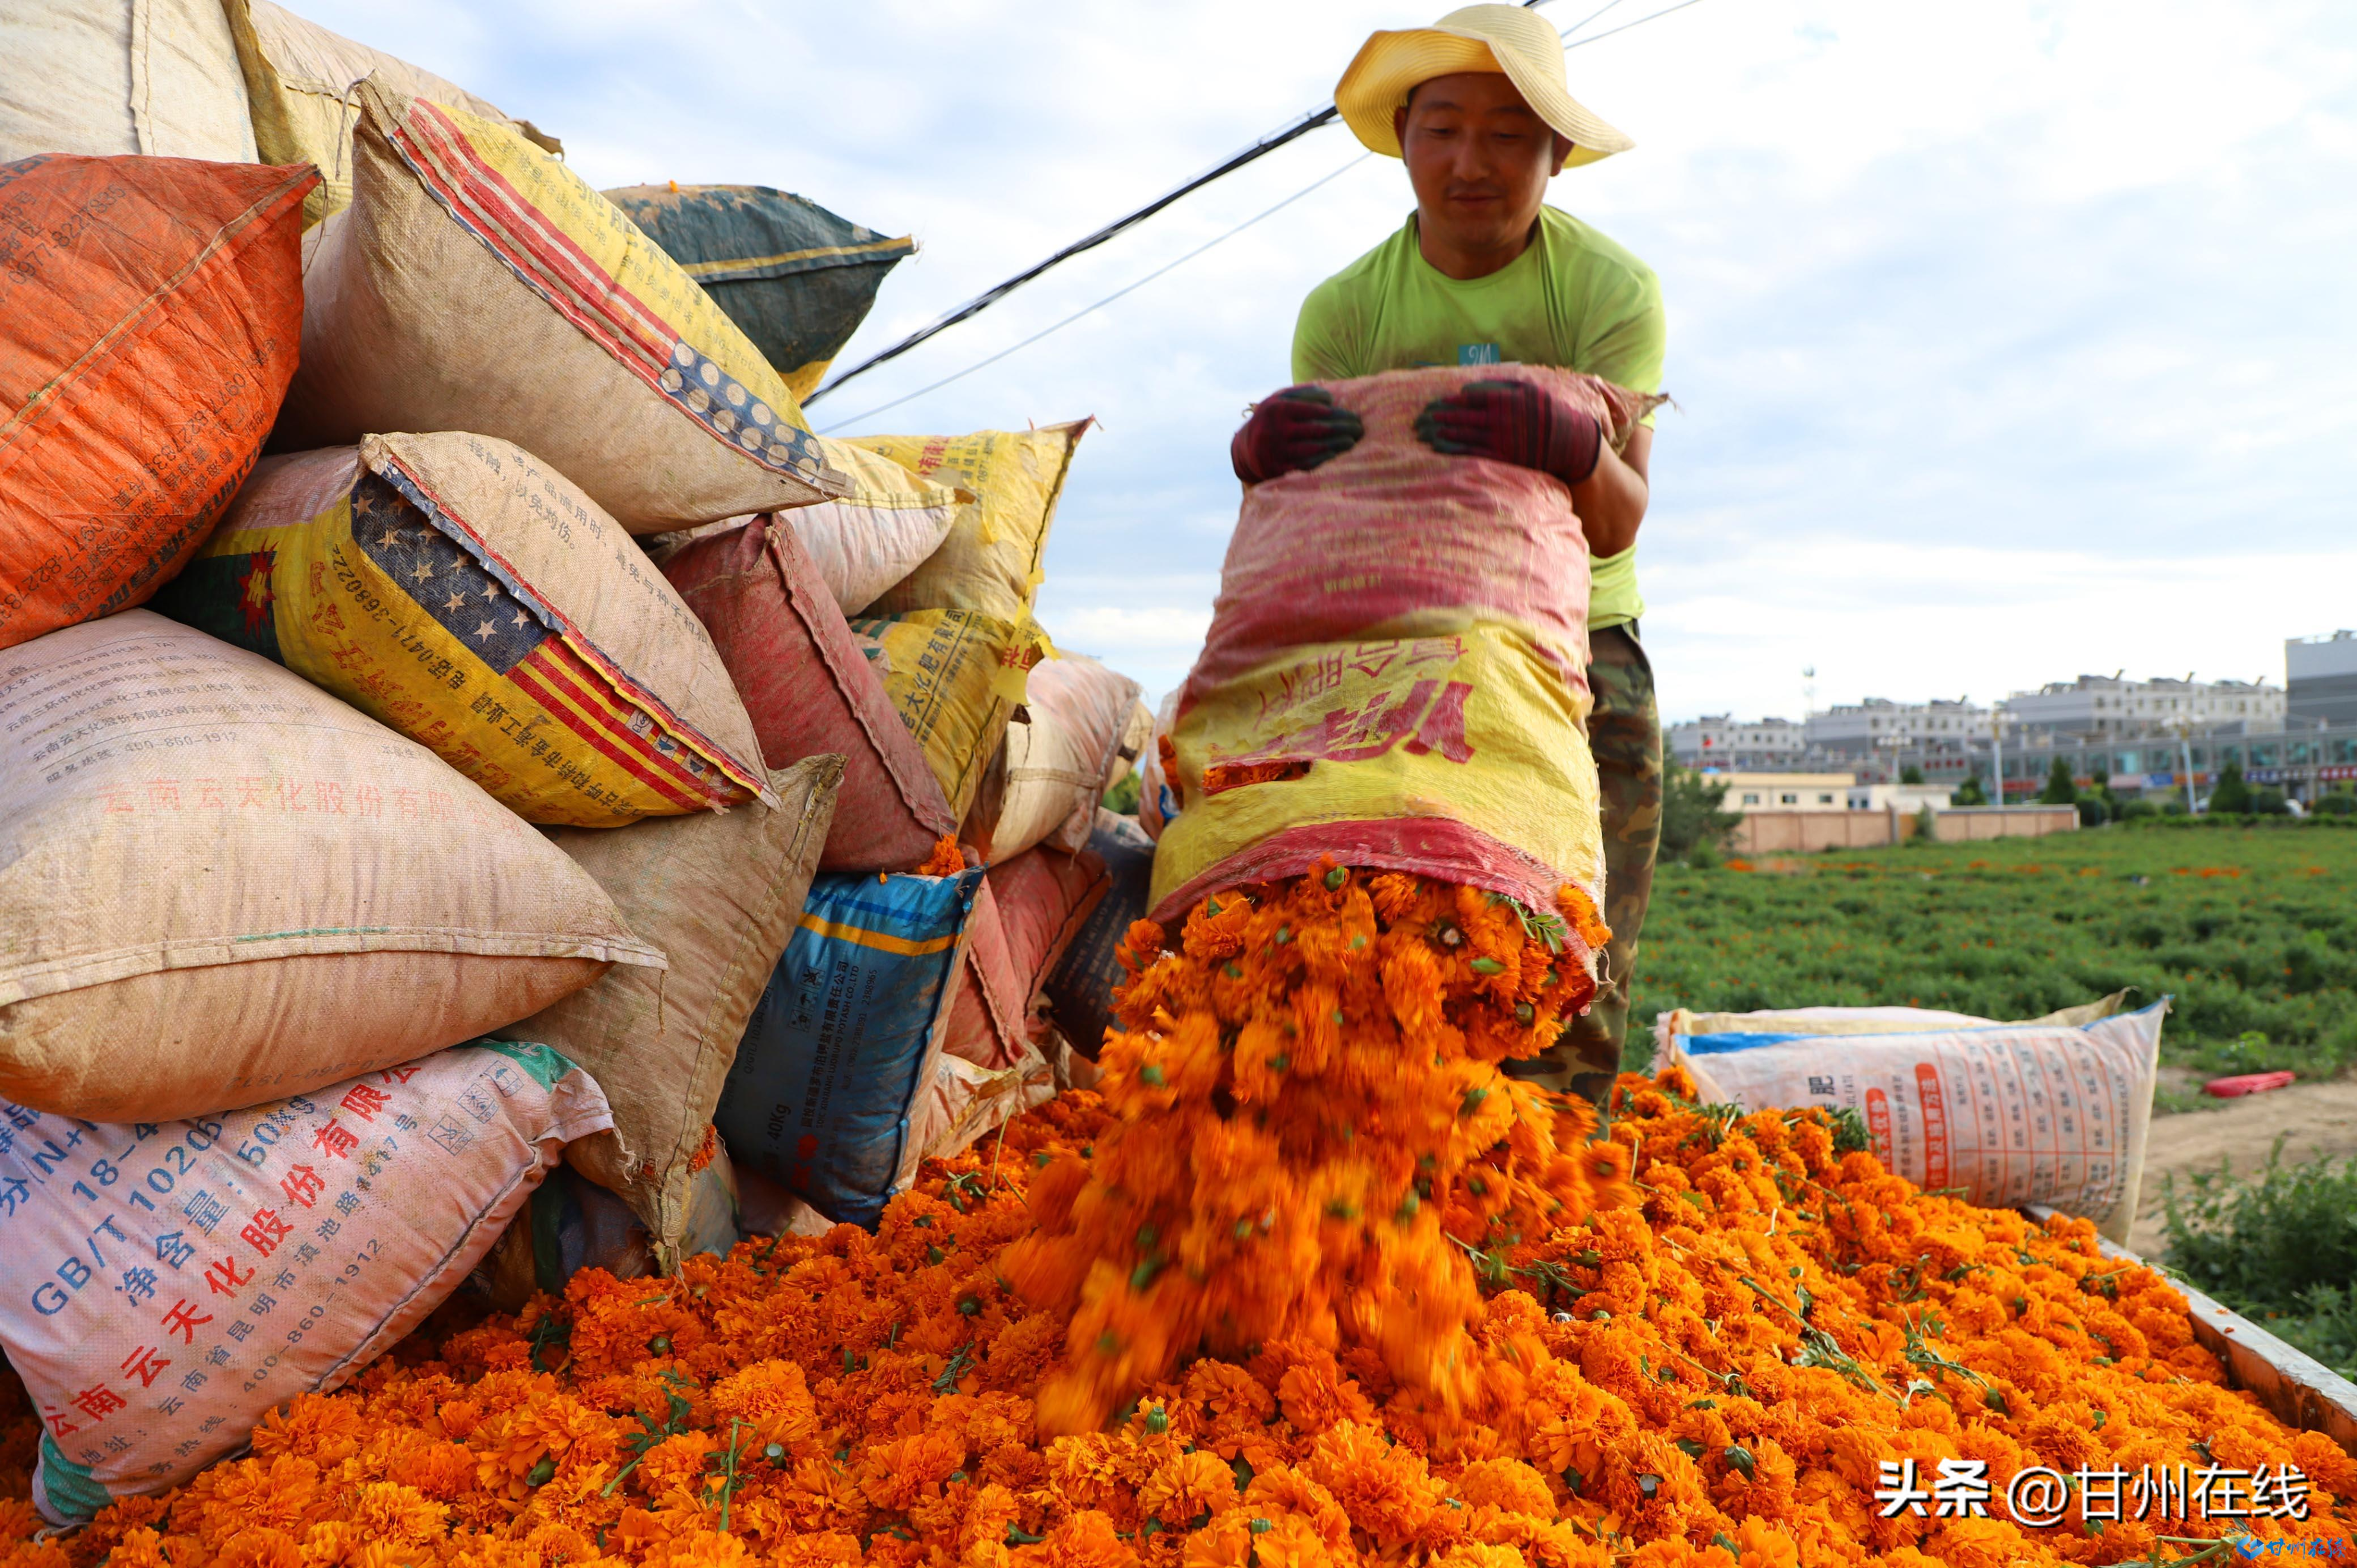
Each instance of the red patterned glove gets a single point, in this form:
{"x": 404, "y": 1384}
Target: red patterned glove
{"x": 1298, "y": 428}
{"x": 1517, "y": 422}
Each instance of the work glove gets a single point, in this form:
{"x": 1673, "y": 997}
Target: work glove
{"x": 1517, "y": 422}
{"x": 1298, "y": 428}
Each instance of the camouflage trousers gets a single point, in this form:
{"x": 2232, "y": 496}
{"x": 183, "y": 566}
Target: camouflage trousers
{"x": 1624, "y": 732}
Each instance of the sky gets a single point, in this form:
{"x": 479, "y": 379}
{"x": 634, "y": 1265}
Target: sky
{"x": 2008, "y": 341}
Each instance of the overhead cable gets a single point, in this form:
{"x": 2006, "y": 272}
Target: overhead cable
{"x": 992, "y": 295}
{"x": 1268, "y": 144}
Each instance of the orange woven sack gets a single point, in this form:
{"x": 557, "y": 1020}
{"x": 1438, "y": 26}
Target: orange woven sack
{"x": 150, "y": 314}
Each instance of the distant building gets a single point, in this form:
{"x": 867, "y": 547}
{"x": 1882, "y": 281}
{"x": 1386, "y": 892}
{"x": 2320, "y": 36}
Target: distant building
{"x": 1908, "y": 799}
{"x": 2105, "y": 706}
{"x": 1880, "y": 727}
{"x": 1721, "y": 742}
{"x": 1786, "y": 791}
{"x": 2321, "y": 676}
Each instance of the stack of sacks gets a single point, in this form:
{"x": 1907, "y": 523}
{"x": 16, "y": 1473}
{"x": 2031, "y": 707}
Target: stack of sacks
{"x": 1080, "y": 729}
{"x": 287, "y": 976}
{"x": 952, "y": 641}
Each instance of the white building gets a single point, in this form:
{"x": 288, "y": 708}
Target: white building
{"x": 1880, "y": 725}
{"x": 2322, "y": 678}
{"x": 1749, "y": 792}
{"x": 2099, "y": 705}
{"x": 1720, "y": 742}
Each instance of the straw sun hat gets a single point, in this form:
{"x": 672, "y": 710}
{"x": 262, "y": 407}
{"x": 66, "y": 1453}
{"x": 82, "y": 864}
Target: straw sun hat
{"x": 1505, "y": 38}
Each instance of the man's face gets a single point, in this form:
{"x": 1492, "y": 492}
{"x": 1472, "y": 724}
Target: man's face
{"x": 1480, "y": 159}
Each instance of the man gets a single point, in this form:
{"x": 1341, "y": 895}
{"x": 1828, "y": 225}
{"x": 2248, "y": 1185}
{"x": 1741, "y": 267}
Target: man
{"x": 1485, "y": 273}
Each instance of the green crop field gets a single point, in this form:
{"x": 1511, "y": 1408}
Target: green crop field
{"x": 2254, "y": 930}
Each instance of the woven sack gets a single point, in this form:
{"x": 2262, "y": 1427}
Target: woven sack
{"x": 1058, "y": 756}
{"x": 150, "y": 311}
{"x": 478, "y": 283}
{"x": 471, "y": 597}
{"x": 302, "y": 82}
{"x": 1423, "y": 710}
{"x": 808, "y": 691}
{"x": 719, "y": 894}
{"x": 105, "y": 78}
{"x": 245, "y": 1258}
{"x": 219, "y": 884}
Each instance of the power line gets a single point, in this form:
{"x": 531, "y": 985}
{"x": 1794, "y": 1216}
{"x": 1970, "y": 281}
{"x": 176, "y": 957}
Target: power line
{"x": 982, "y": 302}
{"x": 1649, "y": 16}
{"x": 992, "y": 295}
{"x": 1066, "y": 321}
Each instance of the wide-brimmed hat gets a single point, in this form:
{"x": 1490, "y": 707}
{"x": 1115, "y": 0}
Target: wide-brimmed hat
{"x": 1505, "y": 38}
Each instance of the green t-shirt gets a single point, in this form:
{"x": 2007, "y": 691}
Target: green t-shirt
{"x": 1573, "y": 299}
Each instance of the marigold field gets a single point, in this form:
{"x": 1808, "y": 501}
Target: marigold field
{"x": 1255, "y": 1303}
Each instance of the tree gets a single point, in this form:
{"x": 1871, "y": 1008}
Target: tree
{"x": 1911, "y": 774}
{"x": 2231, "y": 794}
{"x": 1691, "y": 818}
{"x": 1970, "y": 793}
{"x": 2061, "y": 789}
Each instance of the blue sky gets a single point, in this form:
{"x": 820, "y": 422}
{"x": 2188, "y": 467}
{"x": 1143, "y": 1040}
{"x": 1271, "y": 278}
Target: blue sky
{"x": 2009, "y": 341}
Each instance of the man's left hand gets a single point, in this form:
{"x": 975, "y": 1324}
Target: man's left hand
{"x": 1517, "y": 422}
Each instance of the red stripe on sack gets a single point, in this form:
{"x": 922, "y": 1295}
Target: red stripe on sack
{"x": 533, "y": 680}
{"x": 1437, "y": 847}
{"x": 560, "y": 665}
{"x": 515, "y": 221}
{"x": 565, "y": 661}
{"x": 573, "y": 644}
{"x": 566, "y": 687}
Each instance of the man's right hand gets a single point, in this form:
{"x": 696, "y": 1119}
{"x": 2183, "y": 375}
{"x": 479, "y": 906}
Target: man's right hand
{"x": 1298, "y": 428}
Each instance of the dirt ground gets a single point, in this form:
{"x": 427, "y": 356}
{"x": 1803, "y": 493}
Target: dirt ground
{"x": 2313, "y": 1119}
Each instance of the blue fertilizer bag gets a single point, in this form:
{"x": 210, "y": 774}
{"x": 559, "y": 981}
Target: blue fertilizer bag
{"x": 847, "y": 1031}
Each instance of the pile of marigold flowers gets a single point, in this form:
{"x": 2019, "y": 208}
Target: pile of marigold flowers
{"x": 1315, "y": 1132}
{"x": 1701, "y": 1359}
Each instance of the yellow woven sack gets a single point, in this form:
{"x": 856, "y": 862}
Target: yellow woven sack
{"x": 303, "y": 81}
{"x": 462, "y": 593}
{"x": 476, "y": 284}
{"x": 991, "y": 561}
{"x": 1462, "y": 748}
{"x": 954, "y": 677}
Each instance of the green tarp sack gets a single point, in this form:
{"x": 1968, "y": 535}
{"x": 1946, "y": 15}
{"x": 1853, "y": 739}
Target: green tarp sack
{"x": 797, "y": 279}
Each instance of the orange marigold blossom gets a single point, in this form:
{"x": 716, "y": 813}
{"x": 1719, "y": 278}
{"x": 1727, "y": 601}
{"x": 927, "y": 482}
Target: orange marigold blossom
{"x": 1710, "y": 1374}
{"x": 1315, "y": 1129}
{"x": 947, "y": 859}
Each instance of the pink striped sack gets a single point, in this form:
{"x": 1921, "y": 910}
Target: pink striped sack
{"x": 1394, "y": 673}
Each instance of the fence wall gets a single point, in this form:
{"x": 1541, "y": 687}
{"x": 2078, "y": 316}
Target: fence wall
{"x": 1805, "y": 832}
